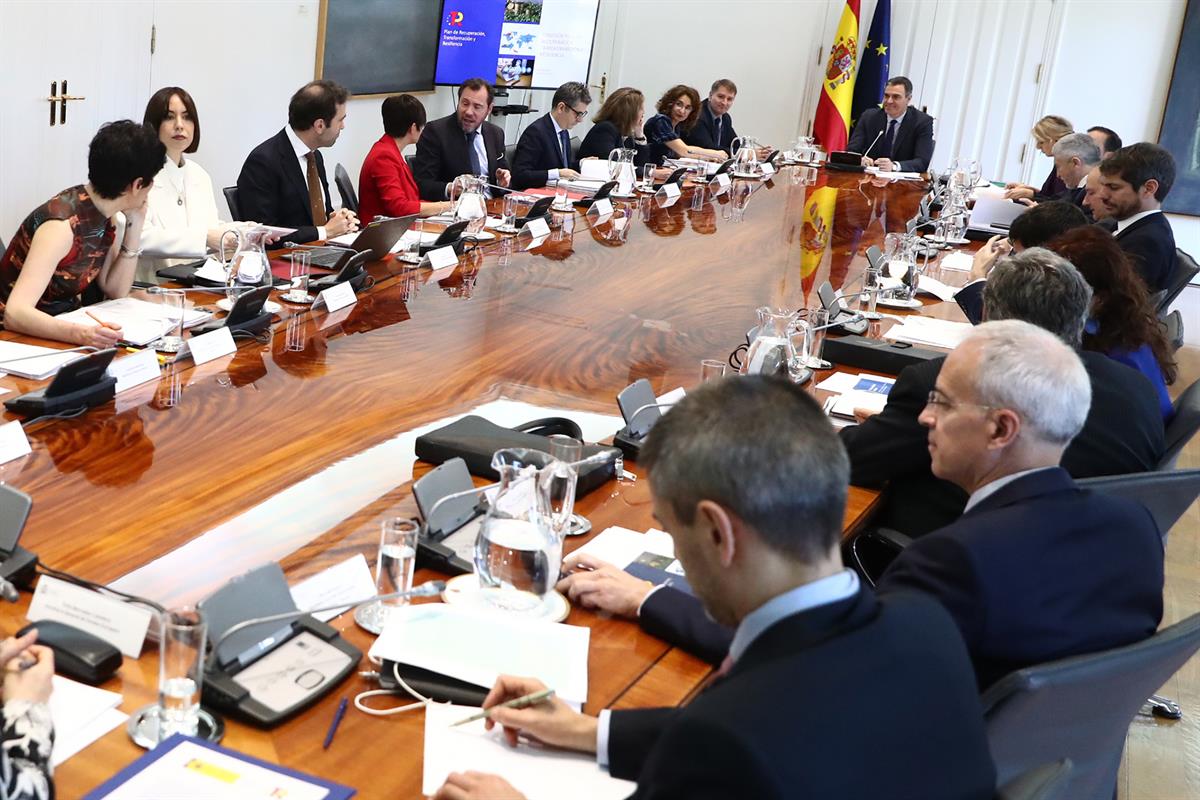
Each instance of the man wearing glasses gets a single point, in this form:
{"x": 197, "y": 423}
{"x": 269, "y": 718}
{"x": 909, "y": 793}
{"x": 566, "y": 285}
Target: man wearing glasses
{"x": 1035, "y": 569}
{"x": 544, "y": 149}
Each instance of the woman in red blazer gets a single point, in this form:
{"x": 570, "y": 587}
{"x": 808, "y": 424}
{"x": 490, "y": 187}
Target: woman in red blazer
{"x": 385, "y": 183}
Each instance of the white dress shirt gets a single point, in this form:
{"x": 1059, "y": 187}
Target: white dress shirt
{"x": 831, "y": 589}
{"x": 302, "y": 150}
{"x": 1122, "y": 224}
{"x": 179, "y": 213}
{"x": 989, "y": 489}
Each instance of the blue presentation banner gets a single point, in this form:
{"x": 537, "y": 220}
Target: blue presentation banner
{"x": 469, "y": 40}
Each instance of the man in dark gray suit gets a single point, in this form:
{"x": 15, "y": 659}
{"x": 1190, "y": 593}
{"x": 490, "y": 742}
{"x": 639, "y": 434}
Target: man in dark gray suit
{"x": 896, "y": 137}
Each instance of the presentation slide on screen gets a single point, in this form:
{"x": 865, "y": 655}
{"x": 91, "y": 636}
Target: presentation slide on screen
{"x": 516, "y": 43}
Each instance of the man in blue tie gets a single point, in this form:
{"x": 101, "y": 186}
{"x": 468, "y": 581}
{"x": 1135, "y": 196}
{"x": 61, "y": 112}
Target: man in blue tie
{"x": 896, "y": 137}
{"x": 714, "y": 127}
{"x": 544, "y": 149}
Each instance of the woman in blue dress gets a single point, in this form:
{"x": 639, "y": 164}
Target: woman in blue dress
{"x": 678, "y": 109}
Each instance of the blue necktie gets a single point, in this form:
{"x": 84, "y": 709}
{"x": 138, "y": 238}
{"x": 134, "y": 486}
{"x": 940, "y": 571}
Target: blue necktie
{"x": 888, "y": 139}
{"x": 564, "y": 142}
{"x": 475, "y": 168}
{"x": 720, "y": 120}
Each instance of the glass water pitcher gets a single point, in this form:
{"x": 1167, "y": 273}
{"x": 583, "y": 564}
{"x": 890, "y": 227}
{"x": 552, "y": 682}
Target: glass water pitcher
{"x": 622, "y": 170}
{"x": 469, "y": 195}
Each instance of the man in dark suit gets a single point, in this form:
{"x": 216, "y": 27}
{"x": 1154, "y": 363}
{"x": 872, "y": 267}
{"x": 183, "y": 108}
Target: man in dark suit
{"x": 714, "y": 127}
{"x": 1106, "y": 139}
{"x": 283, "y": 180}
{"x": 1035, "y": 569}
{"x": 896, "y": 137}
{"x": 464, "y": 143}
{"x": 1133, "y": 183}
{"x": 811, "y": 644}
{"x": 544, "y": 150}
{"x": 1123, "y": 432}
{"x": 1075, "y": 155}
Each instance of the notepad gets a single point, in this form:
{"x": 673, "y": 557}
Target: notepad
{"x": 40, "y": 368}
{"x": 141, "y": 321}
{"x": 929, "y": 331}
{"x": 538, "y": 772}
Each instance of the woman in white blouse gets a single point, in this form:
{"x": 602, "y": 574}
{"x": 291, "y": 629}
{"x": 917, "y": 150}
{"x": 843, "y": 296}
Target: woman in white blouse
{"x": 181, "y": 220}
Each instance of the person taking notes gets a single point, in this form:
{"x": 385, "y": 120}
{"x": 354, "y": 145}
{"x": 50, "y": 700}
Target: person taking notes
{"x": 544, "y": 150}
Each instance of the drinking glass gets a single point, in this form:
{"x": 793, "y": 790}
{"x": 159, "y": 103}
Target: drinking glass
{"x": 182, "y": 636}
{"x": 508, "y": 213}
{"x": 173, "y": 303}
{"x": 561, "y": 203}
{"x": 648, "y": 177}
{"x": 711, "y": 369}
{"x": 872, "y": 283}
{"x": 815, "y": 323}
{"x": 299, "y": 275}
{"x": 394, "y": 568}
{"x": 568, "y": 451}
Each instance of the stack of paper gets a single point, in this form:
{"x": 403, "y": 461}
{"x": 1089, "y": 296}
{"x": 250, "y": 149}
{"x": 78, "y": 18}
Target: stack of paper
{"x": 141, "y": 321}
{"x": 929, "y": 331}
{"x": 584, "y": 185}
{"x": 856, "y": 391}
{"x": 621, "y": 546}
{"x": 479, "y": 647}
{"x": 894, "y": 176}
{"x": 48, "y": 362}
{"x": 538, "y": 772}
{"x": 81, "y": 715}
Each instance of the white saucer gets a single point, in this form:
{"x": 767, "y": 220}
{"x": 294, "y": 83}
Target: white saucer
{"x": 270, "y": 306}
{"x": 482, "y": 236}
{"x": 466, "y": 591}
{"x": 893, "y": 302}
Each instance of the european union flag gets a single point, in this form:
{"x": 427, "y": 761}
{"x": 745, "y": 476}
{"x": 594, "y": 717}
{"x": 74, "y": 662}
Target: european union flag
{"x": 873, "y": 62}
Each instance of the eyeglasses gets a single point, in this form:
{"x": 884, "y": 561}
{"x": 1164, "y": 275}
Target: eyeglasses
{"x": 579, "y": 115}
{"x": 943, "y": 403}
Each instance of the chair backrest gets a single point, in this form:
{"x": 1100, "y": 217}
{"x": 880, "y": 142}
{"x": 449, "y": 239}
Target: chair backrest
{"x": 1183, "y": 425}
{"x": 575, "y": 148}
{"x": 1080, "y": 708}
{"x": 1186, "y": 268}
{"x": 1166, "y": 494}
{"x": 231, "y": 200}
{"x": 1042, "y": 783}
{"x": 1173, "y": 329}
{"x": 509, "y": 151}
{"x": 345, "y": 188}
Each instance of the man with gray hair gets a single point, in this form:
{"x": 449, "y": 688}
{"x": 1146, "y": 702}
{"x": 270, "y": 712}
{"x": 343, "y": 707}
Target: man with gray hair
{"x": 1123, "y": 432}
{"x": 1074, "y": 157}
{"x": 1036, "y": 568}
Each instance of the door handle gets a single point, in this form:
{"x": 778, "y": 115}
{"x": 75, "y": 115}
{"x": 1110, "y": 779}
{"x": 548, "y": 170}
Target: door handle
{"x": 62, "y": 100}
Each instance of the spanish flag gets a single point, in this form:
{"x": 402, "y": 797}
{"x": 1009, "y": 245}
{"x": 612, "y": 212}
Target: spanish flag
{"x": 815, "y": 233}
{"x": 832, "y": 125}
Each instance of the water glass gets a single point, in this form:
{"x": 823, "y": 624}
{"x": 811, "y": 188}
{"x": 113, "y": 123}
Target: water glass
{"x": 182, "y": 638}
{"x": 299, "y": 275}
{"x": 561, "y": 203}
{"x": 397, "y": 560}
{"x": 173, "y": 303}
{"x": 568, "y": 451}
{"x": 872, "y": 284}
{"x": 815, "y": 324}
{"x": 648, "y": 177}
{"x": 711, "y": 369}
{"x": 508, "y": 212}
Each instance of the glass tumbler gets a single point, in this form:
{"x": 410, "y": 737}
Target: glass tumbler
{"x": 173, "y": 303}
{"x": 182, "y": 638}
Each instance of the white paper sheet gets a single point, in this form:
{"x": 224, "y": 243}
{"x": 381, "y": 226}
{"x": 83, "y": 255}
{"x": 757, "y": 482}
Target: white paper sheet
{"x": 348, "y": 581}
{"x": 479, "y": 647}
{"x": 81, "y": 715}
{"x": 841, "y": 382}
{"x": 929, "y": 331}
{"x": 15, "y": 359}
{"x": 539, "y": 773}
{"x": 141, "y": 321}
{"x": 936, "y": 288}
{"x": 956, "y": 261}
{"x": 622, "y": 546}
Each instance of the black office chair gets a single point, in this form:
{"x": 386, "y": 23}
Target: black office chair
{"x": 1167, "y": 495}
{"x": 509, "y": 151}
{"x": 1173, "y": 329}
{"x": 1183, "y": 425}
{"x": 1042, "y": 783}
{"x": 1186, "y": 268}
{"x": 231, "y": 200}
{"x": 345, "y": 188}
{"x": 1080, "y": 708}
{"x": 575, "y": 148}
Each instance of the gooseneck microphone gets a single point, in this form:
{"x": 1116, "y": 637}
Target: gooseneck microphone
{"x": 872, "y": 144}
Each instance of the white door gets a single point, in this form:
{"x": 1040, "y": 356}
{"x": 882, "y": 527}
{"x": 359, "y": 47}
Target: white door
{"x": 102, "y": 51}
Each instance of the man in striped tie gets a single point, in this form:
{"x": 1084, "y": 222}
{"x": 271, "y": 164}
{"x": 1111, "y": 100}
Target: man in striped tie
{"x": 544, "y": 149}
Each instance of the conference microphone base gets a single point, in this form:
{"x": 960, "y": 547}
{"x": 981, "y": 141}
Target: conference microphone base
{"x": 20, "y": 567}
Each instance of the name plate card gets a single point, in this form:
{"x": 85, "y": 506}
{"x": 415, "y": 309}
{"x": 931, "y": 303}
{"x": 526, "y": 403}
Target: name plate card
{"x": 13, "y": 442}
{"x": 134, "y": 370}
{"x": 768, "y": 169}
{"x": 537, "y": 227}
{"x": 442, "y": 257}
{"x": 669, "y": 190}
{"x": 601, "y": 208}
{"x": 339, "y": 295}
{"x": 121, "y": 624}
{"x": 208, "y": 346}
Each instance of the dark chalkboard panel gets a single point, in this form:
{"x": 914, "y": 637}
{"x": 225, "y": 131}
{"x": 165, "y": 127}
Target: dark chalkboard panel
{"x": 378, "y": 46}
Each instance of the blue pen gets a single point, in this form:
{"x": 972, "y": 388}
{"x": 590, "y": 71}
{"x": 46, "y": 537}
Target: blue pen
{"x": 333, "y": 726}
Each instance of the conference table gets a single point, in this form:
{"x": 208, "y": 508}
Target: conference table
{"x": 287, "y": 451}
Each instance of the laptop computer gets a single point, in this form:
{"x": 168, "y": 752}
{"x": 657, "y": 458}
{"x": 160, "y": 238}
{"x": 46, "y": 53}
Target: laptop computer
{"x": 379, "y": 238}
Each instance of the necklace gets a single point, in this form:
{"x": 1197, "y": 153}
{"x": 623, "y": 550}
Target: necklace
{"x": 177, "y": 186}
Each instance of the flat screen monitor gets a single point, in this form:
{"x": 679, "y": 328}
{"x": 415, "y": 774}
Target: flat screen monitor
{"x": 516, "y": 44}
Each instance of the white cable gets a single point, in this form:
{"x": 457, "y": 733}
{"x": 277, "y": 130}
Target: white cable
{"x": 384, "y": 712}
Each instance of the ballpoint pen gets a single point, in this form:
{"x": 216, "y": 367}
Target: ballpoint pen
{"x": 333, "y": 726}
{"x": 518, "y": 702}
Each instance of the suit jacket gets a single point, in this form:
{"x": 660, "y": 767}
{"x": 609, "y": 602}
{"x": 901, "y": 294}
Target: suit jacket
{"x": 538, "y": 152}
{"x": 704, "y": 134}
{"x": 970, "y": 300}
{"x": 386, "y": 186}
{"x": 913, "y": 145}
{"x": 273, "y": 189}
{"x": 1038, "y": 571}
{"x": 604, "y": 137}
{"x": 442, "y": 155}
{"x": 894, "y": 670}
{"x": 1150, "y": 244}
{"x": 1123, "y": 433}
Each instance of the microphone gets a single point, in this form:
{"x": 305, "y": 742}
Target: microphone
{"x": 872, "y": 144}
{"x": 81, "y": 349}
{"x": 215, "y": 289}
{"x": 646, "y": 407}
{"x": 8, "y": 591}
{"x": 427, "y": 589}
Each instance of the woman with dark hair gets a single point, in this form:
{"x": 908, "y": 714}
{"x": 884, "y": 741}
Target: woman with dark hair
{"x": 72, "y": 239}
{"x": 678, "y": 110}
{"x": 618, "y": 123}
{"x": 1123, "y": 322}
{"x": 181, "y": 217}
{"x": 386, "y": 186}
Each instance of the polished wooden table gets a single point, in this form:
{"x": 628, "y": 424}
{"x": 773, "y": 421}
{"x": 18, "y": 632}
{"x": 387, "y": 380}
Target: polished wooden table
{"x": 178, "y": 486}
